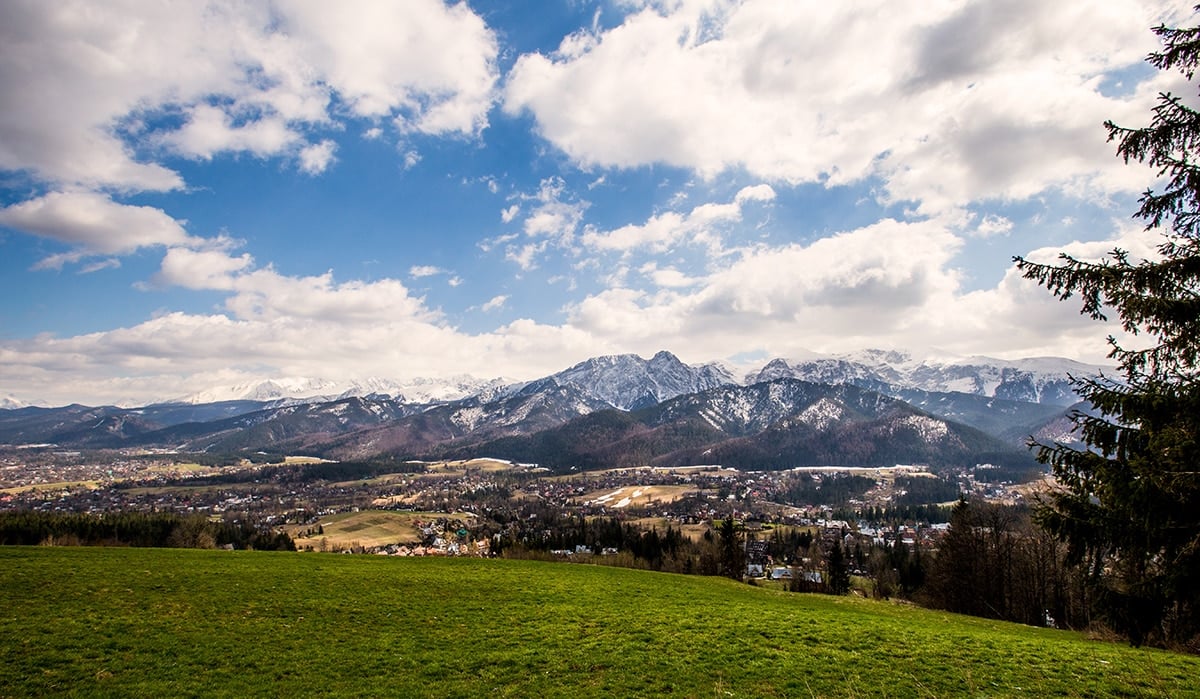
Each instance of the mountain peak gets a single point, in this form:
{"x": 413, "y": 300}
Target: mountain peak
{"x": 663, "y": 356}
{"x": 628, "y": 382}
{"x": 1039, "y": 380}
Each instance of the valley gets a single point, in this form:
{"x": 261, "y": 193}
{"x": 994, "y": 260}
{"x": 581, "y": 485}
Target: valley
{"x": 872, "y": 441}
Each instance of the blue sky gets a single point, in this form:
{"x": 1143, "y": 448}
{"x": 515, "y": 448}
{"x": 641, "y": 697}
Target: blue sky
{"x": 197, "y": 194}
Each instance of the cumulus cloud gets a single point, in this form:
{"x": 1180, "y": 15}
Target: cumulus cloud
{"x": 952, "y": 103}
{"x": 889, "y": 284}
{"x": 316, "y": 157}
{"x": 262, "y": 294}
{"x": 667, "y": 277}
{"x": 665, "y": 230}
{"x": 211, "y": 269}
{"x": 100, "y": 87}
{"x": 991, "y": 225}
{"x": 210, "y": 130}
{"x": 93, "y": 225}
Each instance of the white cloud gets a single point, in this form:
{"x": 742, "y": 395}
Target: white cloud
{"x": 316, "y": 157}
{"x": 758, "y": 192}
{"x": 210, "y": 130}
{"x": 211, "y": 269}
{"x": 495, "y": 303}
{"x": 419, "y": 271}
{"x": 109, "y": 263}
{"x": 87, "y": 82}
{"x": 553, "y": 218}
{"x": 262, "y": 295}
{"x": 525, "y": 256}
{"x": 667, "y": 229}
{"x": 92, "y": 225}
{"x": 952, "y": 103}
{"x": 668, "y": 277}
{"x": 889, "y": 284}
{"x": 991, "y": 225}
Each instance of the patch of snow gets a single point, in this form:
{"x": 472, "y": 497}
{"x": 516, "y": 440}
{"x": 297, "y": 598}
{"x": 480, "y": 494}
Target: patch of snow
{"x": 821, "y": 414}
{"x": 930, "y": 429}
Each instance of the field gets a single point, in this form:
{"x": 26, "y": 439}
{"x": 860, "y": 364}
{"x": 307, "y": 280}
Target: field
{"x": 142, "y": 622}
{"x": 50, "y": 487}
{"x": 636, "y": 495}
{"x": 369, "y": 528}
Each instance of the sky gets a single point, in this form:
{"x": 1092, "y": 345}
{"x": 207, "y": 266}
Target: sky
{"x": 197, "y": 194}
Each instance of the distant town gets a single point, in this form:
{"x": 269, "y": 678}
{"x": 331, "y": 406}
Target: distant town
{"x": 465, "y": 507}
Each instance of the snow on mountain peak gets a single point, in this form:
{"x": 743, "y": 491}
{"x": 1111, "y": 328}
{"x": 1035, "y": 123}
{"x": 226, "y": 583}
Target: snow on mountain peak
{"x": 628, "y": 382}
{"x": 417, "y": 390}
{"x": 1036, "y": 380}
{"x": 11, "y": 403}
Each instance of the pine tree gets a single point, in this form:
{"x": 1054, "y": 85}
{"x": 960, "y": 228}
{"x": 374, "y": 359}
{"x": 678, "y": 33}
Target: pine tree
{"x": 1130, "y": 504}
{"x": 732, "y": 551}
{"x": 839, "y": 570}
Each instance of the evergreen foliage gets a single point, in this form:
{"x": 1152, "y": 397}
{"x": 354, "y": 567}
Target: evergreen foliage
{"x": 839, "y": 570}
{"x": 140, "y": 529}
{"x": 1128, "y": 507}
{"x": 732, "y": 548}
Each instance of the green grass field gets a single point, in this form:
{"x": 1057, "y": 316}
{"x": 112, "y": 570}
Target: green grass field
{"x": 143, "y": 622}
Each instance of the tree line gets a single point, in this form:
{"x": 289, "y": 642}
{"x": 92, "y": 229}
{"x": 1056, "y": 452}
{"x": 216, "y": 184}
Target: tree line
{"x": 140, "y": 529}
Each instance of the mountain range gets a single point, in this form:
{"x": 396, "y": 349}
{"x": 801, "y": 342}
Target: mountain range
{"x": 867, "y": 408}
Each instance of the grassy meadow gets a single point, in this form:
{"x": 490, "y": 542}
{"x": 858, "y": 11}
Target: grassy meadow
{"x": 142, "y": 622}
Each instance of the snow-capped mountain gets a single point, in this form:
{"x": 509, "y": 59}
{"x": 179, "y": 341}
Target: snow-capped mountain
{"x": 265, "y": 390}
{"x": 10, "y": 403}
{"x": 774, "y": 425}
{"x": 628, "y": 382}
{"x": 311, "y": 390}
{"x": 869, "y": 406}
{"x": 1038, "y": 380}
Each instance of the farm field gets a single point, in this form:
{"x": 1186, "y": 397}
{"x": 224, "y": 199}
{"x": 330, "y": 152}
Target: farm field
{"x": 369, "y": 528}
{"x": 636, "y": 495}
{"x": 139, "y": 622}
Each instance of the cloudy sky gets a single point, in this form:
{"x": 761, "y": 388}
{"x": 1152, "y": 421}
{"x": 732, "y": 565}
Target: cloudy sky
{"x": 193, "y": 194}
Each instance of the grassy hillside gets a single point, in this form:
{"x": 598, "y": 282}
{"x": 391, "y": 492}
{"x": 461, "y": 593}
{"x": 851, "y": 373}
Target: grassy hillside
{"x": 138, "y": 622}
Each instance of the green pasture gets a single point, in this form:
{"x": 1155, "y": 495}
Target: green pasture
{"x": 145, "y": 622}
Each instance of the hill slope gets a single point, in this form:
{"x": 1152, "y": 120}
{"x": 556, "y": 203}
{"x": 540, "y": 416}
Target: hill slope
{"x": 144, "y": 622}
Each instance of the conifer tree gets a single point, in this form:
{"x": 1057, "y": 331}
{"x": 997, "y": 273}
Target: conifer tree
{"x": 733, "y": 554}
{"x": 1130, "y": 503}
{"x": 839, "y": 570}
